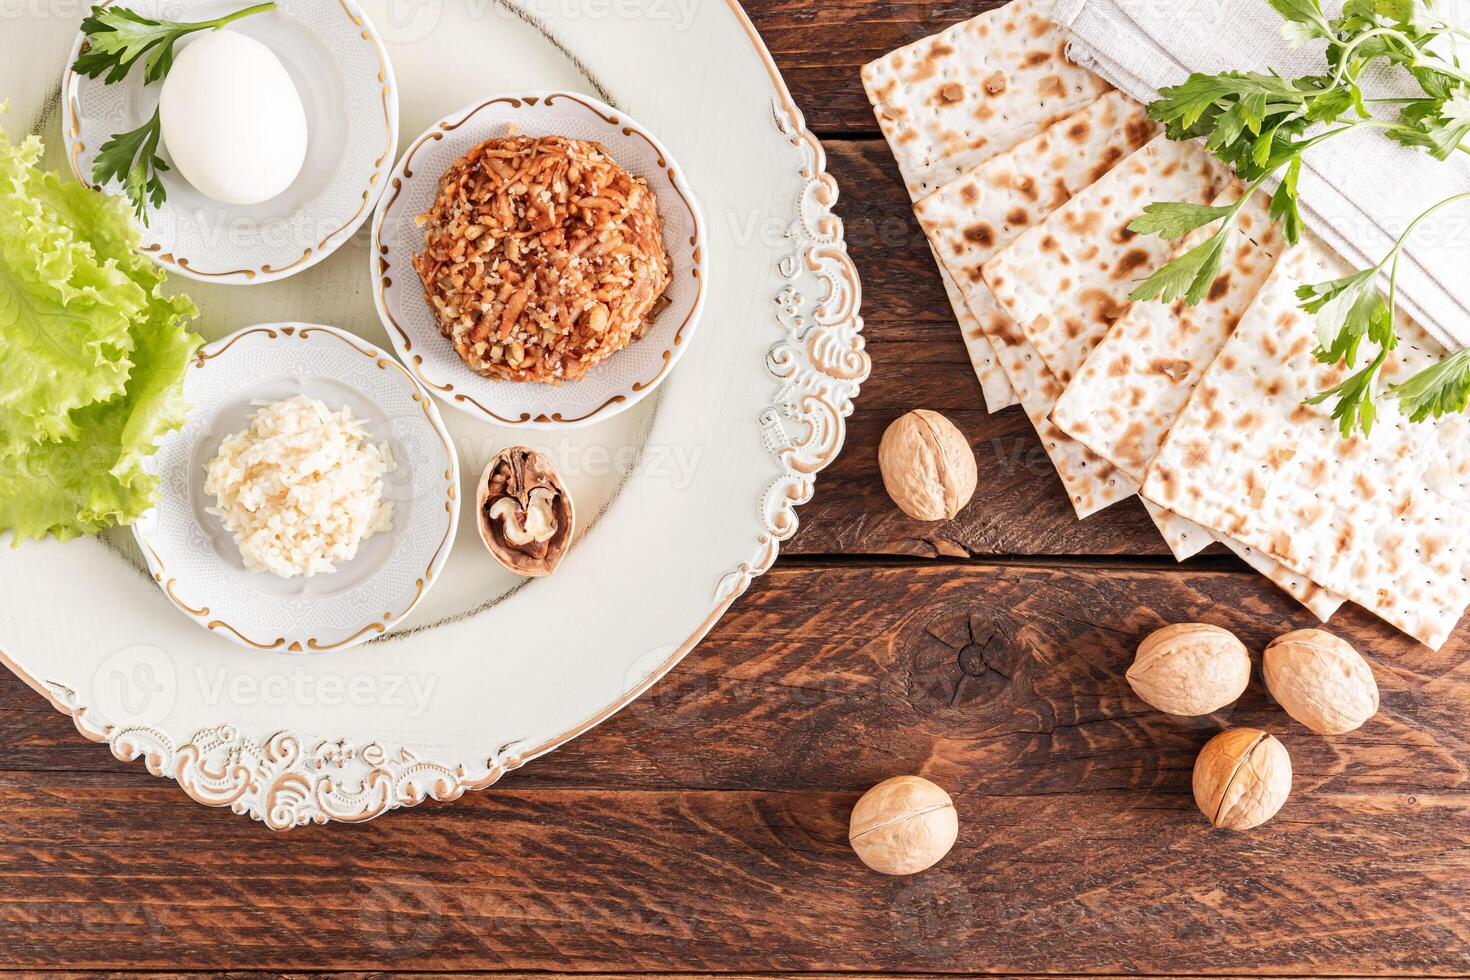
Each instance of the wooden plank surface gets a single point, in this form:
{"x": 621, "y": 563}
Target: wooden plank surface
{"x": 704, "y": 828}
{"x": 702, "y": 831}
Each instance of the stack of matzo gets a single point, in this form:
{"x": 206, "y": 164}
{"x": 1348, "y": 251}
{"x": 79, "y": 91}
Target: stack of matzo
{"x": 952, "y": 101}
{"x": 1025, "y": 171}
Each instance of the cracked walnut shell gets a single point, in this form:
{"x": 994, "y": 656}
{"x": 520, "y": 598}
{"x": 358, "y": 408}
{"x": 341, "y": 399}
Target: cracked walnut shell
{"x": 927, "y": 466}
{"x": 1190, "y": 669}
{"x": 903, "y": 826}
{"x": 1321, "y": 681}
{"x": 525, "y": 514}
{"x": 1241, "y": 778}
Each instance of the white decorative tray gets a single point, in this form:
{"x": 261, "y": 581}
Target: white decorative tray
{"x": 682, "y": 500}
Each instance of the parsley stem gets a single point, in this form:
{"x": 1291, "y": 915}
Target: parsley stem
{"x": 1365, "y": 382}
{"x": 1423, "y": 215}
{"x": 1347, "y": 54}
{"x": 219, "y": 22}
{"x": 1403, "y": 240}
{"x": 1419, "y": 59}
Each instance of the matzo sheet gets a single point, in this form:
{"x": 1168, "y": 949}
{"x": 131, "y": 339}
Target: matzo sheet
{"x": 1123, "y": 402}
{"x": 951, "y": 101}
{"x": 1127, "y": 395}
{"x": 954, "y": 100}
{"x": 1322, "y": 603}
{"x": 1184, "y": 538}
{"x": 945, "y": 220}
{"x": 1066, "y": 280}
{"x": 994, "y": 384}
{"x": 970, "y": 219}
{"x": 1187, "y": 539}
{"x": 1381, "y": 520}
{"x": 978, "y": 215}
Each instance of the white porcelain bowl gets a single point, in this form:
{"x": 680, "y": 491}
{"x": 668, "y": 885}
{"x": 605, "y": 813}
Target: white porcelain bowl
{"x": 342, "y": 72}
{"x": 195, "y": 560}
{"x": 611, "y": 387}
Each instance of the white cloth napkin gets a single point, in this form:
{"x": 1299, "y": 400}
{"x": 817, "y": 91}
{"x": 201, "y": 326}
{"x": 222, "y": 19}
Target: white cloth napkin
{"x": 1358, "y": 191}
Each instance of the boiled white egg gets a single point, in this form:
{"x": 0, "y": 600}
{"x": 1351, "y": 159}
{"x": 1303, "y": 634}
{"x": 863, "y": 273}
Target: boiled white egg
{"x": 232, "y": 119}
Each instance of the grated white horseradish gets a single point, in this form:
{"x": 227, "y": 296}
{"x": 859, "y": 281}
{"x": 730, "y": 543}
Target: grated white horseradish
{"x": 300, "y": 489}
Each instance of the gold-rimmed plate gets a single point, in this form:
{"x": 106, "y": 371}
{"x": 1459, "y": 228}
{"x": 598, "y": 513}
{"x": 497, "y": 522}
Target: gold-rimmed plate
{"x": 196, "y": 562}
{"x": 611, "y": 387}
{"x": 347, "y": 87}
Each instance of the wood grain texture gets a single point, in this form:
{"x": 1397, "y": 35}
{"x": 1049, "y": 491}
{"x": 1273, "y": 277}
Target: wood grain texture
{"x": 704, "y": 827}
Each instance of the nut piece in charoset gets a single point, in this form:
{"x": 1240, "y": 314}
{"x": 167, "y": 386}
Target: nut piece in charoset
{"x": 525, "y": 513}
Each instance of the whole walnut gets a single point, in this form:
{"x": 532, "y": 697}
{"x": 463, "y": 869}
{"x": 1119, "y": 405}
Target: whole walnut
{"x": 1190, "y": 669}
{"x": 903, "y": 825}
{"x": 1241, "y": 778}
{"x": 927, "y": 466}
{"x": 1321, "y": 681}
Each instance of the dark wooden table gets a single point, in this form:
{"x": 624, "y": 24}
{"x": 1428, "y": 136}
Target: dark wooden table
{"x": 703, "y": 830}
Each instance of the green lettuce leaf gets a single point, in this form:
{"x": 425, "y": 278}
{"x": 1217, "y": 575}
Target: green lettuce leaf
{"x": 95, "y": 355}
{"x": 84, "y": 485}
{"x": 65, "y": 304}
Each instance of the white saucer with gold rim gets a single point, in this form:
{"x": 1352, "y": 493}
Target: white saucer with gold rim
{"x": 195, "y": 560}
{"x": 345, "y": 79}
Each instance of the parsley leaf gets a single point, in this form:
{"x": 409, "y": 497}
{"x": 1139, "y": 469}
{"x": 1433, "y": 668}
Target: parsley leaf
{"x": 1348, "y": 310}
{"x": 1357, "y": 405}
{"x": 1443, "y": 389}
{"x": 1262, "y": 124}
{"x": 1175, "y": 219}
{"x": 1189, "y": 276}
{"x": 1436, "y": 126}
{"x": 1304, "y": 21}
{"x": 117, "y": 38}
{"x": 133, "y": 159}
{"x": 1284, "y": 203}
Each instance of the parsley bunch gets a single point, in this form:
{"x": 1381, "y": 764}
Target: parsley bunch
{"x": 117, "y": 39}
{"x": 1260, "y": 124}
